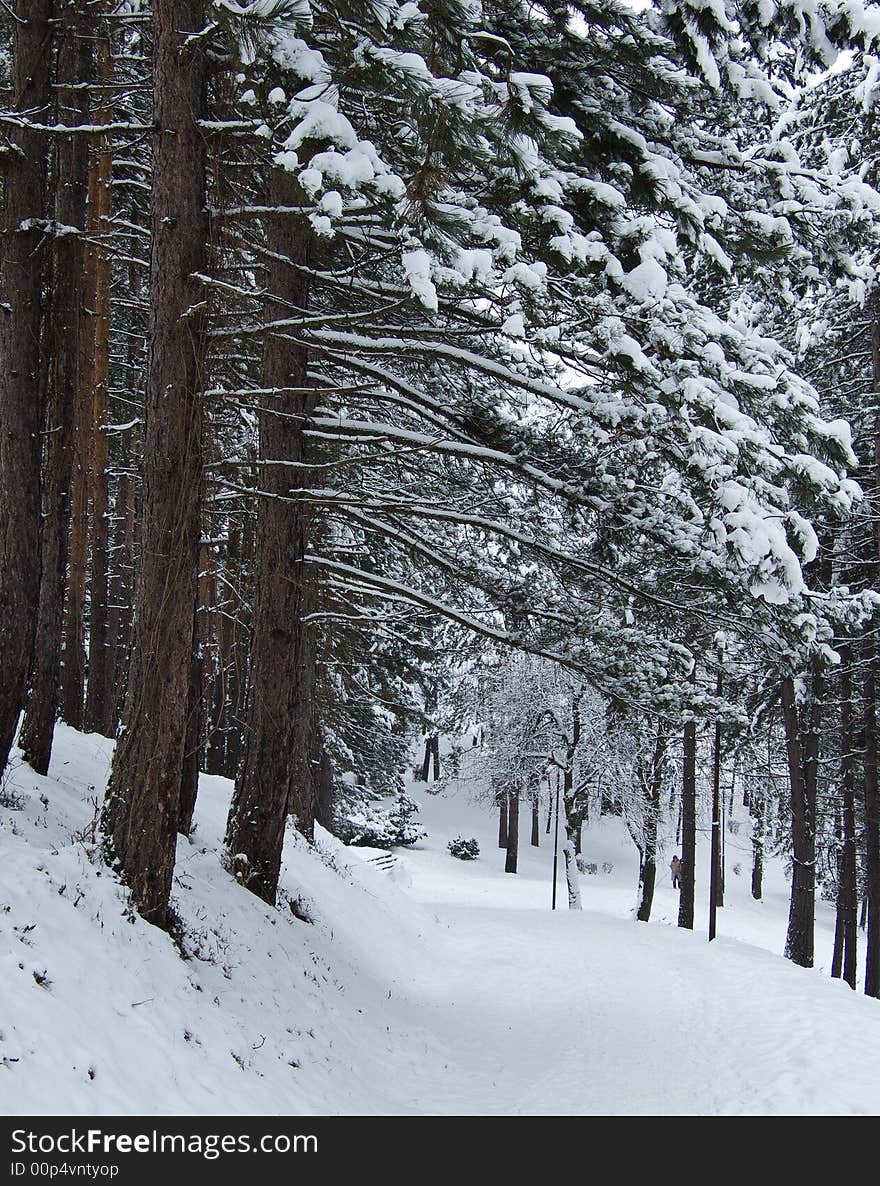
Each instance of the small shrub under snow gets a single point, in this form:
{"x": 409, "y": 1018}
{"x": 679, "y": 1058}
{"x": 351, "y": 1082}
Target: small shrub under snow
{"x": 465, "y": 850}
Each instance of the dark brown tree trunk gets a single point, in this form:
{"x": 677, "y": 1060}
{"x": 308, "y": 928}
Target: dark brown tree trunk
{"x": 802, "y": 753}
{"x": 199, "y": 671}
{"x": 127, "y": 502}
{"x": 847, "y": 889}
{"x": 20, "y": 361}
{"x": 512, "y": 832}
{"x": 324, "y": 796}
{"x": 240, "y": 642}
{"x": 432, "y": 754}
{"x": 872, "y": 832}
{"x": 73, "y": 669}
{"x": 722, "y": 836}
{"x": 141, "y": 810}
{"x": 228, "y": 647}
{"x": 99, "y": 714}
{"x": 276, "y": 777}
{"x": 715, "y": 891}
{"x": 189, "y": 781}
{"x": 72, "y": 69}
{"x": 837, "y": 950}
{"x": 756, "y": 810}
{"x": 871, "y": 905}
{"x": 119, "y": 616}
{"x": 688, "y": 827}
{"x": 73, "y": 674}
{"x": 536, "y": 824}
{"x": 502, "y": 819}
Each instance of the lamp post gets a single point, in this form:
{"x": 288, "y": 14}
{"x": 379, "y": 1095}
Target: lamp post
{"x": 555, "y": 842}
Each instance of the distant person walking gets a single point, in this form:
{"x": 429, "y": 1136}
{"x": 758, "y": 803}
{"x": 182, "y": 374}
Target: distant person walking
{"x": 675, "y": 869}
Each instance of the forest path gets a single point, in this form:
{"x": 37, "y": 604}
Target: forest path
{"x": 572, "y": 1013}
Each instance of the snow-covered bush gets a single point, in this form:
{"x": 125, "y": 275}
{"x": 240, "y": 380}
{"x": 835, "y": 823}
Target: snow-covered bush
{"x": 465, "y": 850}
{"x": 369, "y": 826}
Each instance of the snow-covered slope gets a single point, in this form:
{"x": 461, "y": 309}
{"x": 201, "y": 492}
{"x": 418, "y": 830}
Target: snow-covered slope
{"x": 441, "y": 987}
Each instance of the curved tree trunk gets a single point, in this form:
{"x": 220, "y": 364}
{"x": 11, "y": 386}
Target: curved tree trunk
{"x": 140, "y": 814}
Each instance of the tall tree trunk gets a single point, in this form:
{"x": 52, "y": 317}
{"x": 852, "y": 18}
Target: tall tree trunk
{"x": 197, "y": 692}
{"x": 99, "y": 708}
{"x": 189, "y": 780}
{"x": 652, "y": 788}
{"x": 73, "y": 669}
{"x": 241, "y": 641}
{"x": 802, "y": 753}
{"x": 73, "y": 70}
{"x": 757, "y": 811}
{"x": 512, "y": 832}
{"x": 127, "y": 501}
{"x": 722, "y": 851}
{"x": 715, "y": 891}
{"x": 871, "y": 905}
{"x": 118, "y": 616}
{"x": 688, "y": 827}
{"x": 323, "y": 776}
{"x": 536, "y": 823}
{"x": 501, "y": 798}
{"x": 837, "y": 949}
{"x": 140, "y": 813}
{"x": 847, "y": 891}
{"x": 276, "y": 777}
{"x": 872, "y": 832}
{"x": 20, "y": 360}
{"x": 73, "y": 674}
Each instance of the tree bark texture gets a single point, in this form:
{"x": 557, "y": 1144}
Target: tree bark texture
{"x": 276, "y": 777}
{"x": 141, "y": 810}
{"x": 72, "y": 69}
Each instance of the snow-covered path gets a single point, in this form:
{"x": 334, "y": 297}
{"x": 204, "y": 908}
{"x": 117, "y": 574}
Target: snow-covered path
{"x": 566, "y": 1014}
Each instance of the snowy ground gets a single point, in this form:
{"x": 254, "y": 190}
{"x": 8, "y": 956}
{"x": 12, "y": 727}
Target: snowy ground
{"x": 441, "y": 987}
